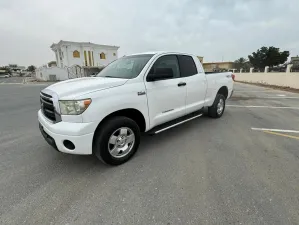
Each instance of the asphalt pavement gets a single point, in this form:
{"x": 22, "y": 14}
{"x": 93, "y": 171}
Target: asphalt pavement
{"x": 205, "y": 171}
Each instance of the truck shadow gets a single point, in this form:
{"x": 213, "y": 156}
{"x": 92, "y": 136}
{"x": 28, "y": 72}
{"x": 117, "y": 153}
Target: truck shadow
{"x": 149, "y": 143}
{"x": 78, "y": 164}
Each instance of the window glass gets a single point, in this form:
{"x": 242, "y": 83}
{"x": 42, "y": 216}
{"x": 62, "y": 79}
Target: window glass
{"x": 187, "y": 66}
{"x": 167, "y": 62}
{"x": 127, "y": 67}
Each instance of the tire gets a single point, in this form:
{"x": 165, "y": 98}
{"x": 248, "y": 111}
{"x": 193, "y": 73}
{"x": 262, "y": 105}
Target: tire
{"x": 110, "y": 133}
{"x": 213, "y": 110}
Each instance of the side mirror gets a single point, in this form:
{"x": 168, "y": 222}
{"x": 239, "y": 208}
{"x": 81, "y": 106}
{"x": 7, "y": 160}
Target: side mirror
{"x": 160, "y": 74}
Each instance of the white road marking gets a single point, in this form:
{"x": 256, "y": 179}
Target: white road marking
{"x": 6, "y": 82}
{"x": 277, "y": 97}
{"x": 270, "y": 97}
{"x": 262, "y": 106}
{"x": 276, "y": 130}
{"x": 281, "y": 95}
{"x": 254, "y": 91}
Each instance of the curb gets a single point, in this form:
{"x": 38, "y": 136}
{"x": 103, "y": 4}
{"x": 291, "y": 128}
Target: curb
{"x": 275, "y": 87}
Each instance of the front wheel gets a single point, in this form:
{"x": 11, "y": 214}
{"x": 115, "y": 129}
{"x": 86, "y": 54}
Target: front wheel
{"x": 218, "y": 107}
{"x": 117, "y": 140}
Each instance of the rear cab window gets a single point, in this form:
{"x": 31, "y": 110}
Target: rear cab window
{"x": 187, "y": 66}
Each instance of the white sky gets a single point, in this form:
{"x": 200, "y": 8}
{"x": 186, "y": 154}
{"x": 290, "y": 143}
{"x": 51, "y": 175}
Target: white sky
{"x": 215, "y": 29}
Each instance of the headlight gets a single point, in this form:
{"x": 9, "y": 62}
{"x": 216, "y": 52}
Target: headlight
{"x": 73, "y": 107}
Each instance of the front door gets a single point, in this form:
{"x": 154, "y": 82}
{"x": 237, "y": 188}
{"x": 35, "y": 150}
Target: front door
{"x": 166, "y": 98}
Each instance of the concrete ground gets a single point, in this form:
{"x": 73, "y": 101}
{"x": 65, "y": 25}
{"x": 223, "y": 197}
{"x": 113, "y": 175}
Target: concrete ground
{"x": 14, "y": 80}
{"x": 203, "y": 172}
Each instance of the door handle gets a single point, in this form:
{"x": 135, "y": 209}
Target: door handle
{"x": 181, "y": 84}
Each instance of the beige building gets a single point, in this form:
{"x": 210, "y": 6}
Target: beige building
{"x": 218, "y": 66}
{"x": 200, "y": 59}
{"x": 295, "y": 61}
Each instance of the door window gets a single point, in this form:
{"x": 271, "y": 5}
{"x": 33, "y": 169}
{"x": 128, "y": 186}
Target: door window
{"x": 187, "y": 66}
{"x": 167, "y": 62}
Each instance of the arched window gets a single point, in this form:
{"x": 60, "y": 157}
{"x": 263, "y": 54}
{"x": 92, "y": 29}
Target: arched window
{"x": 76, "y": 54}
{"x": 102, "y": 55}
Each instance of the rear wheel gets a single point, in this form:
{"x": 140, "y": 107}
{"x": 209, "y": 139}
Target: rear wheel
{"x": 117, "y": 140}
{"x": 218, "y": 107}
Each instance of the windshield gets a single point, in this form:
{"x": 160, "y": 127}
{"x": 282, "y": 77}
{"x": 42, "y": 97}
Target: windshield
{"x": 127, "y": 67}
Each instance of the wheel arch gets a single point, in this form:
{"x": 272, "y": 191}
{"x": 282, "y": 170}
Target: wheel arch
{"x": 133, "y": 114}
{"x": 224, "y": 91}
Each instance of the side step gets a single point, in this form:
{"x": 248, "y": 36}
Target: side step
{"x": 174, "y": 123}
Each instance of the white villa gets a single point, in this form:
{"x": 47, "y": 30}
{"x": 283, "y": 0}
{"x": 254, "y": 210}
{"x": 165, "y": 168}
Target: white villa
{"x": 77, "y": 59}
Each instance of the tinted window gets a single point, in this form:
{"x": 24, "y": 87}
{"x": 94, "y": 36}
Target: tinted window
{"x": 127, "y": 67}
{"x": 167, "y": 62}
{"x": 187, "y": 66}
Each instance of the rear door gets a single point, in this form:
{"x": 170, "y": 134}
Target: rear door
{"x": 196, "y": 83}
{"x": 166, "y": 98}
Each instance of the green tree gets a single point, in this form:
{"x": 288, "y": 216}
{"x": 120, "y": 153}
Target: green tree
{"x": 241, "y": 63}
{"x": 268, "y": 57}
{"x": 31, "y": 68}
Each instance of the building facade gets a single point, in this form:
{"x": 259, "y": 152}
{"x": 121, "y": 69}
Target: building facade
{"x": 84, "y": 54}
{"x": 295, "y": 61}
{"x": 76, "y": 59}
{"x": 218, "y": 66}
{"x": 200, "y": 59}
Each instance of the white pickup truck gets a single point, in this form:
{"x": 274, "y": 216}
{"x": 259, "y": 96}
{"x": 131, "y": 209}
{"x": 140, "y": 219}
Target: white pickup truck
{"x": 149, "y": 92}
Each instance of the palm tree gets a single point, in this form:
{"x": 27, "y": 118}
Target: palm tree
{"x": 242, "y": 63}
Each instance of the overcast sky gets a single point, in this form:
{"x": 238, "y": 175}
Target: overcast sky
{"x": 215, "y": 29}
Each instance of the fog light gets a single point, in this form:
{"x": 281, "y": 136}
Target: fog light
{"x": 68, "y": 144}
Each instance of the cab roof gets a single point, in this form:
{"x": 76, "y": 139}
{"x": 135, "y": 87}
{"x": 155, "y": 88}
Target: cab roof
{"x": 158, "y": 53}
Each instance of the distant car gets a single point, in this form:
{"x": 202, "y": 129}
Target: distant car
{"x": 7, "y": 75}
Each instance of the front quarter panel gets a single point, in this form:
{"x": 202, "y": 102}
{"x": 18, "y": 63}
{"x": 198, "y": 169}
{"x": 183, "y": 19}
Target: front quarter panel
{"x": 114, "y": 99}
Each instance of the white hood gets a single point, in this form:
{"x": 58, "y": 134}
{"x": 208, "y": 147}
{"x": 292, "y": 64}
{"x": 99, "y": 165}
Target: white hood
{"x": 73, "y": 88}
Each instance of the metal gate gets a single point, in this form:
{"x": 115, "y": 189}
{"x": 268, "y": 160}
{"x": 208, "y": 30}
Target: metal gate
{"x": 75, "y": 71}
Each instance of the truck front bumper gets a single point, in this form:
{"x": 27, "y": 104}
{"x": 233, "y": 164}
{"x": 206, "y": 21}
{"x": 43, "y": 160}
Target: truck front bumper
{"x": 58, "y": 134}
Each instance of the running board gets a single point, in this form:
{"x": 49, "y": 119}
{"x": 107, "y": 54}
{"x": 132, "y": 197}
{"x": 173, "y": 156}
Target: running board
{"x": 174, "y": 123}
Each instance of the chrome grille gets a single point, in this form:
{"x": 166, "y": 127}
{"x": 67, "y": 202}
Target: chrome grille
{"x": 47, "y": 106}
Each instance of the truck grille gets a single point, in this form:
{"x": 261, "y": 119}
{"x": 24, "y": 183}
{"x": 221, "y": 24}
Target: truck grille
{"x": 47, "y": 106}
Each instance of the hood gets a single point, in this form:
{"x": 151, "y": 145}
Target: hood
{"x": 70, "y": 89}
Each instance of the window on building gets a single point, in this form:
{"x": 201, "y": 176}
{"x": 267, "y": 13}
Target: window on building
{"x": 114, "y": 54}
{"x": 85, "y": 58}
{"x": 102, "y": 55}
{"x": 76, "y": 54}
{"x": 89, "y": 57}
{"x": 92, "y": 58}
{"x": 60, "y": 55}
